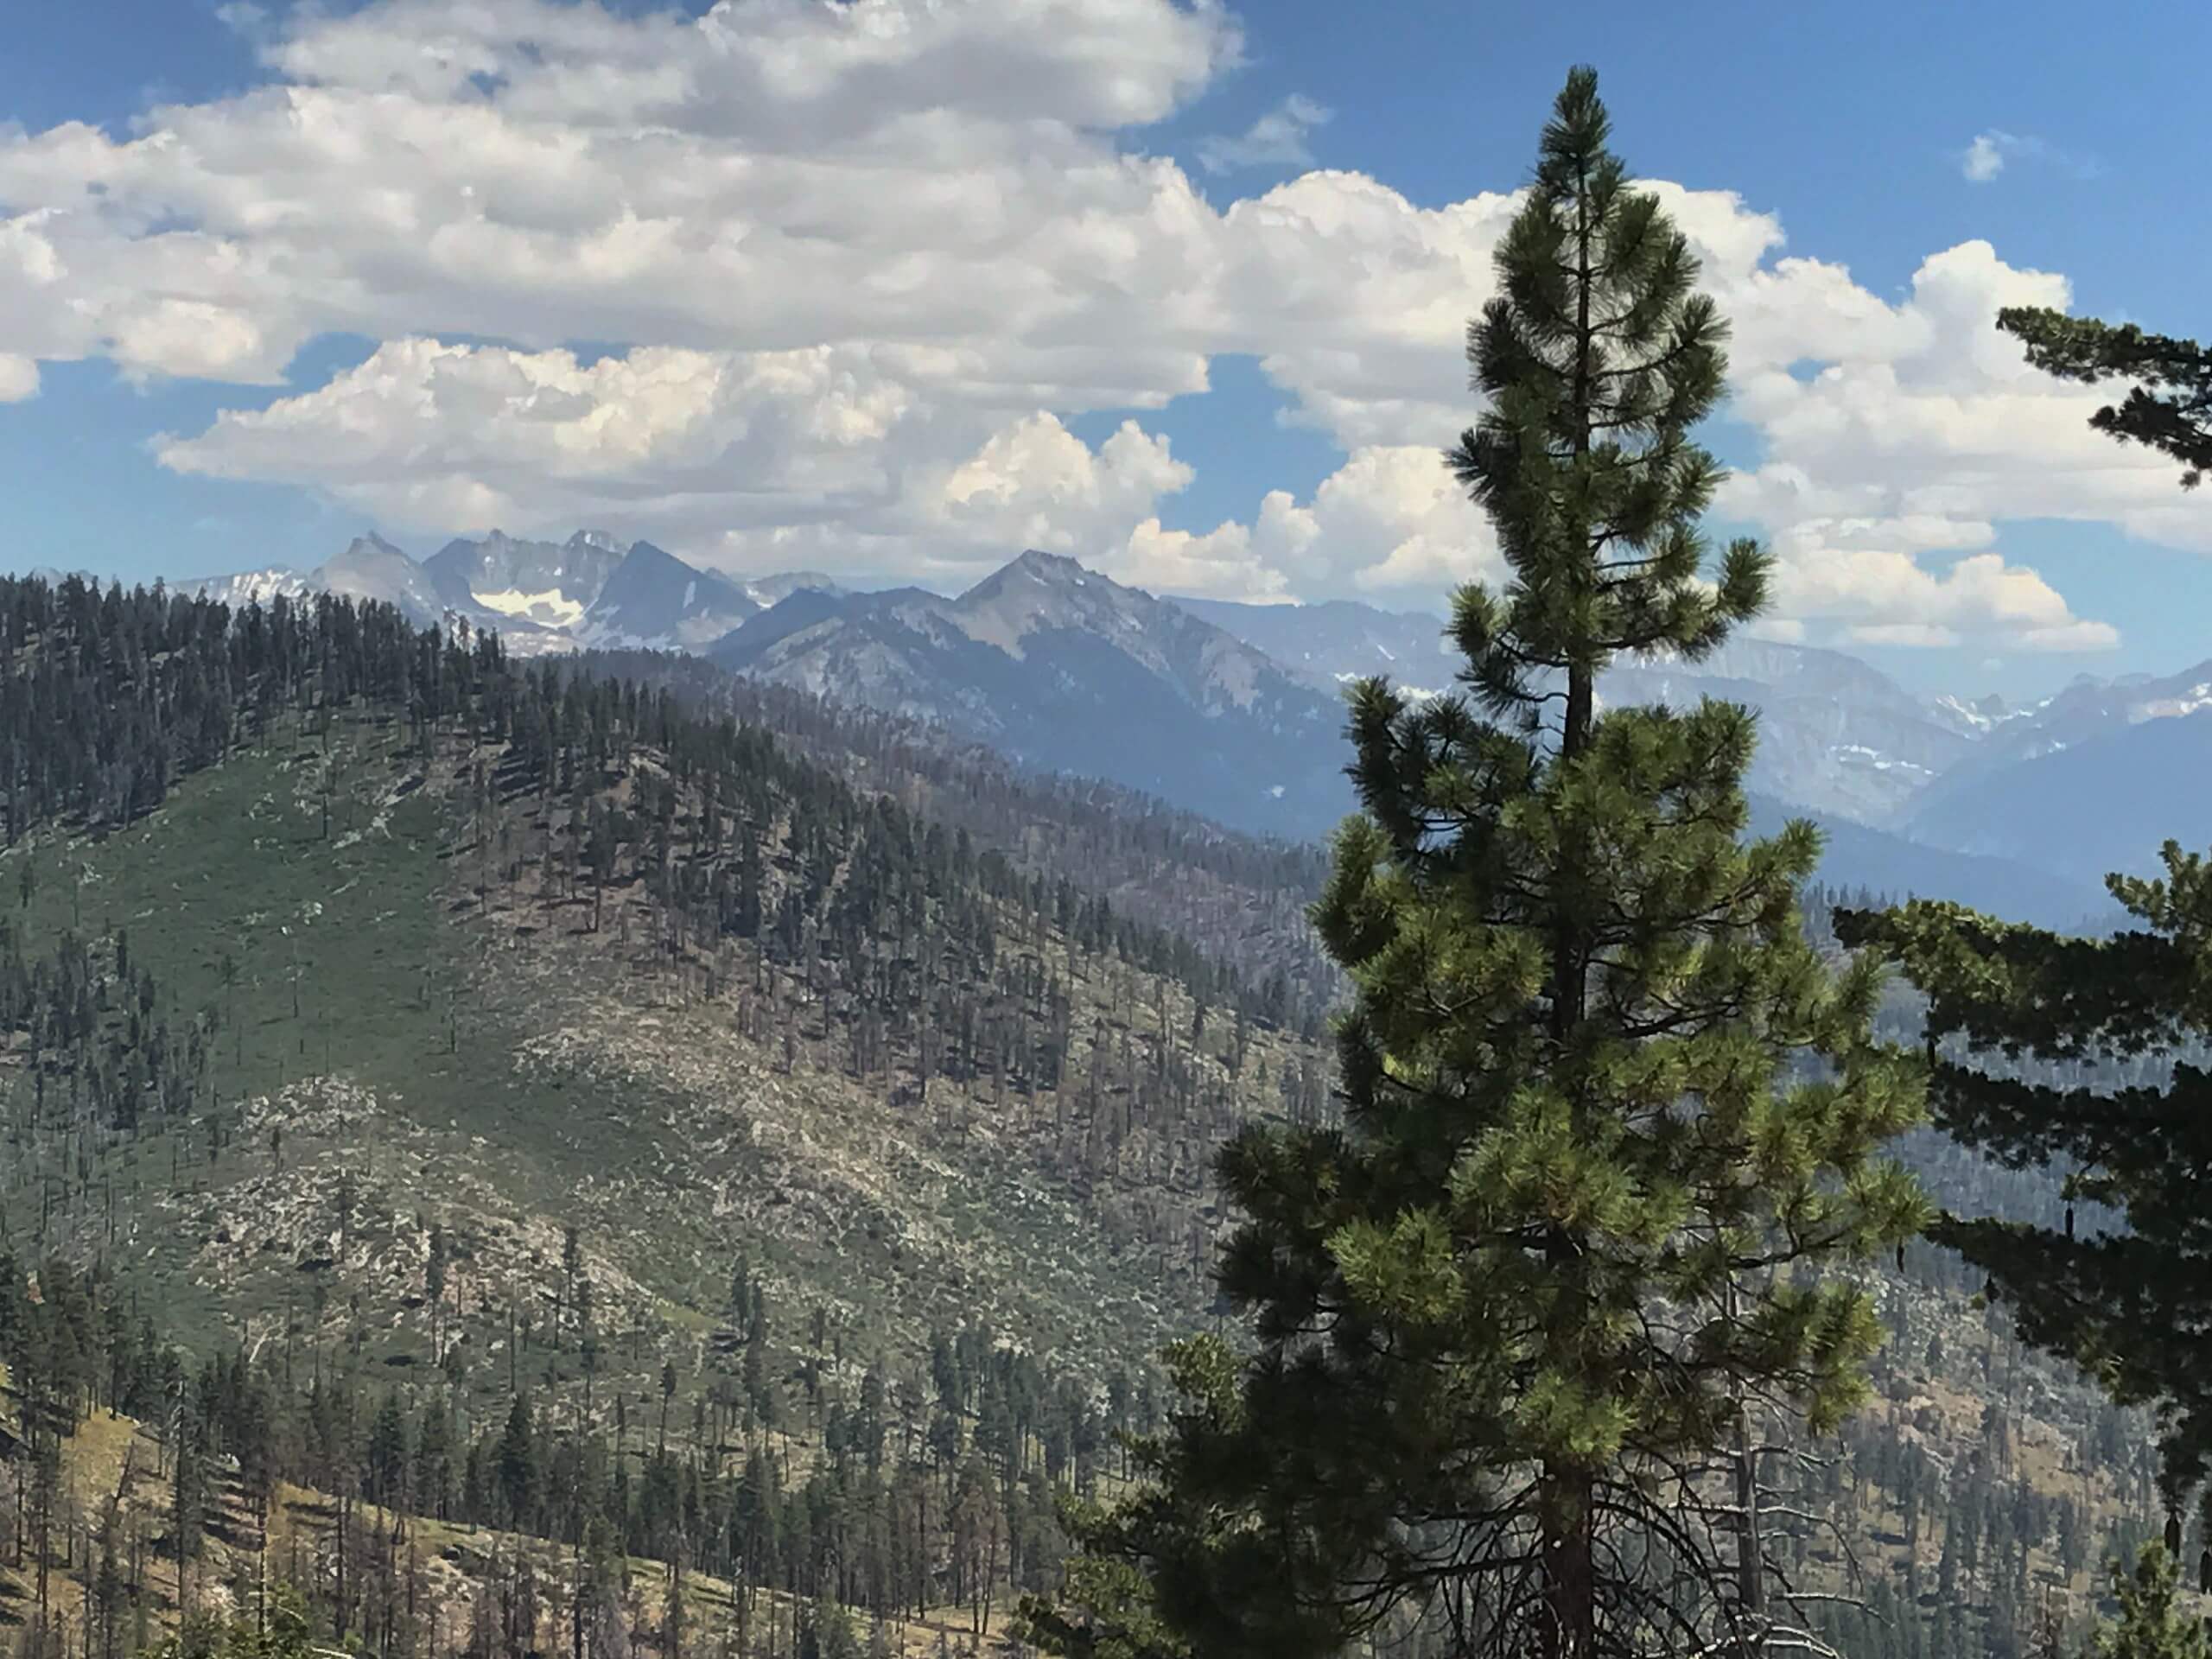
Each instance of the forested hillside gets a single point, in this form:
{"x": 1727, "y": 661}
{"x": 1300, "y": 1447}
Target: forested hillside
{"x": 1064, "y": 830}
{"x": 427, "y": 1040}
{"x": 1239, "y": 898}
{"x": 613, "y": 1115}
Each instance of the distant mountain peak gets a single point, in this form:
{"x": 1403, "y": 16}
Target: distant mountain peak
{"x": 1042, "y": 591}
{"x": 1054, "y": 567}
{"x": 1979, "y": 717}
{"x": 591, "y": 589}
{"x": 1060, "y": 667}
{"x": 1039, "y": 571}
{"x": 239, "y": 590}
{"x": 767, "y": 591}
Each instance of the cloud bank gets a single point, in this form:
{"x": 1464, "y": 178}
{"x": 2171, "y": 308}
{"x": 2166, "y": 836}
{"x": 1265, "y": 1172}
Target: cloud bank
{"x": 867, "y": 264}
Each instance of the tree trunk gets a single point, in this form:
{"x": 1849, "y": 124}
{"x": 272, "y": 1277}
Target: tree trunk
{"x": 1570, "y": 1576}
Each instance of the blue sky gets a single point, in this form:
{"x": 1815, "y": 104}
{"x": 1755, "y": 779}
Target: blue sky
{"x": 1849, "y": 125}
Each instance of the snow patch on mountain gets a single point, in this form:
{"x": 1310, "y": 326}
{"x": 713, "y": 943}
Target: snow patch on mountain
{"x": 1982, "y": 716}
{"x": 554, "y": 609}
{"x": 261, "y": 588}
{"x": 1859, "y": 755}
{"x": 2188, "y": 702}
{"x": 541, "y": 597}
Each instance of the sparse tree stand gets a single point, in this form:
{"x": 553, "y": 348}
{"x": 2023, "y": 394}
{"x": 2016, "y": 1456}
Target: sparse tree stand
{"x": 1607, "y": 1111}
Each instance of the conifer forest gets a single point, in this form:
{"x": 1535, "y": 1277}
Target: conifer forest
{"x": 814, "y": 1137}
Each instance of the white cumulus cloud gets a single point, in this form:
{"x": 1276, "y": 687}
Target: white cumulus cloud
{"x": 1884, "y": 596}
{"x": 865, "y": 267}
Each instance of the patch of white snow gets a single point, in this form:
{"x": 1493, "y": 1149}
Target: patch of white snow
{"x": 552, "y": 607}
{"x": 2197, "y": 697}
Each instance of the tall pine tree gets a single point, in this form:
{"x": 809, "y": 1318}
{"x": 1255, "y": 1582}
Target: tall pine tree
{"x": 1606, "y": 1110}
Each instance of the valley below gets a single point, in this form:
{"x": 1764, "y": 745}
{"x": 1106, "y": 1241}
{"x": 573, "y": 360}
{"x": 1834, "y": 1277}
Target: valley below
{"x": 533, "y": 1124}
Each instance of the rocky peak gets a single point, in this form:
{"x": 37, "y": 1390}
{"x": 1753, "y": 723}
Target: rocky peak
{"x": 1043, "y": 591}
{"x": 1041, "y": 566}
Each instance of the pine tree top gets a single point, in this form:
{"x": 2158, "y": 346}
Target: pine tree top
{"x": 1598, "y": 357}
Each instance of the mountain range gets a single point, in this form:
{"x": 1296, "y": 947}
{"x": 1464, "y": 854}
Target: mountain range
{"x": 1835, "y": 734}
{"x": 1235, "y": 710}
{"x": 1065, "y": 670}
{"x": 541, "y": 596}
